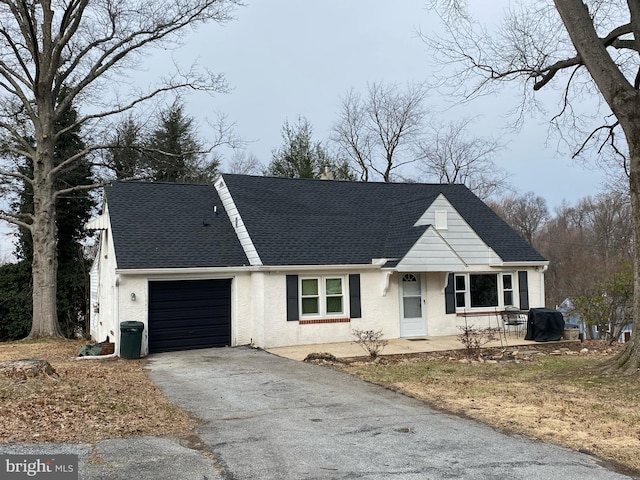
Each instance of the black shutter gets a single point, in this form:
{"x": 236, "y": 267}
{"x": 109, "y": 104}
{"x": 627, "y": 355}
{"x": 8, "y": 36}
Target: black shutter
{"x": 292, "y": 298}
{"x": 523, "y": 289}
{"x": 450, "y": 295}
{"x": 355, "y": 308}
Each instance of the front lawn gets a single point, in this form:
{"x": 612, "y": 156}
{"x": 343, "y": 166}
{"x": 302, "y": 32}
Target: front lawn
{"x": 556, "y": 396}
{"x": 90, "y": 400}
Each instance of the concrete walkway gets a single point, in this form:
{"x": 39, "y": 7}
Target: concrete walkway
{"x": 396, "y": 346}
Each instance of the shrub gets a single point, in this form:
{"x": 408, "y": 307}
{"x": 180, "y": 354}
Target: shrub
{"x": 475, "y": 338}
{"x": 370, "y": 341}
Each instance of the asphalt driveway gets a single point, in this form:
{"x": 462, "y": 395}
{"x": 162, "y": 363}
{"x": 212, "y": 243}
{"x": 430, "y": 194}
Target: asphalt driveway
{"x": 267, "y": 417}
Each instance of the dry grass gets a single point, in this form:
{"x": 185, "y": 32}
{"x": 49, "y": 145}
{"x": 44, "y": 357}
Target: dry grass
{"x": 562, "y": 399}
{"x": 90, "y": 401}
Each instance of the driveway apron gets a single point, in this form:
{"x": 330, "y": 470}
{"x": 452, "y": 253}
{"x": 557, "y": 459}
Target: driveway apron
{"x": 267, "y": 417}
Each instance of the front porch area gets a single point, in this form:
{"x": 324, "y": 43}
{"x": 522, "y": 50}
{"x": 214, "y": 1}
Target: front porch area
{"x": 398, "y": 346}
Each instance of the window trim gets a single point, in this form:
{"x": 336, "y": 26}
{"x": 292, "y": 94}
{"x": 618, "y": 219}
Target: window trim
{"x": 467, "y": 290}
{"x": 323, "y": 296}
{"x": 506, "y": 290}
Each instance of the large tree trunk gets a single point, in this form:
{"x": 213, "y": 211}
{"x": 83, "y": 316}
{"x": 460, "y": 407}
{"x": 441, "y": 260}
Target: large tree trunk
{"x": 44, "y": 230}
{"x": 628, "y": 361}
{"x": 624, "y": 101}
{"x": 44, "y": 267}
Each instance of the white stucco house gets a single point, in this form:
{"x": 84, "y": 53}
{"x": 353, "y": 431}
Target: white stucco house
{"x": 276, "y": 261}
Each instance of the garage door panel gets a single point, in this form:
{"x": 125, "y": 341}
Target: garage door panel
{"x": 189, "y": 314}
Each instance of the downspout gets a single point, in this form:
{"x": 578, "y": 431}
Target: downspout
{"x": 117, "y": 314}
{"x": 542, "y": 270}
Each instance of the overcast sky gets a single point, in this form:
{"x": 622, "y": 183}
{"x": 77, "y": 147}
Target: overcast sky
{"x": 289, "y": 58}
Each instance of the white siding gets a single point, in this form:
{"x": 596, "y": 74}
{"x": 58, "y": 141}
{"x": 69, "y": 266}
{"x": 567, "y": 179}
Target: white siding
{"x": 447, "y": 249}
{"x": 431, "y": 253}
{"x": 379, "y": 312}
{"x": 243, "y": 316}
{"x": 237, "y": 223}
{"x": 94, "y": 292}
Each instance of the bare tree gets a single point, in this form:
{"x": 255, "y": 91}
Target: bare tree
{"x": 55, "y": 53}
{"x": 379, "y": 133}
{"x": 589, "y": 249}
{"x": 244, "y": 163}
{"x": 609, "y": 219}
{"x": 586, "y": 46}
{"x": 526, "y": 214}
{"x": 449, "y": 155}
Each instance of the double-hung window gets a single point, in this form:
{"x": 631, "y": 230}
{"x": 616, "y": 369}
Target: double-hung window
{"x": 507, "y": 289}
{"x": 321, "y": 296}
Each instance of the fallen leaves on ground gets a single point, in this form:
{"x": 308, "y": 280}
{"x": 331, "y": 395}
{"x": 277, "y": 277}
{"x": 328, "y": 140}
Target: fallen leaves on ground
{"x": 91, "y": 400}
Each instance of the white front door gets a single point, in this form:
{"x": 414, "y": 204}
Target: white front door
{"x": 412, "y": 323}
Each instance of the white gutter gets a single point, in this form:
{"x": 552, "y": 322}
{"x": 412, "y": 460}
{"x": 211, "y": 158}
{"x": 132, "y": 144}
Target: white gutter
{"x": 244, "y": 268}
{"x": 116, "y": 300}
{"x": 290, "y": 268}
{"x": 183, "y": 271}
{"x": 521, "y": 264}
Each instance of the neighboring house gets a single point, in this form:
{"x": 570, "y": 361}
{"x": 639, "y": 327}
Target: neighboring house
{"x": 276, "y": 261}
{"x": 624, "y": 323}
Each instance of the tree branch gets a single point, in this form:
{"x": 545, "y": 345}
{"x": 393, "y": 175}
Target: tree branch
{"x": 81, "y": 188}
{"x": 17, "y": 175}
{"x": 555, "y": 68}
{"x": 17, "y": 219}
{"x": 593, "y": 134}
{"x": 157, "y": 30}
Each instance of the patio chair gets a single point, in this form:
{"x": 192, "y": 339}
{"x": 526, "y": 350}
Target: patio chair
{"x": 513, "y": 318}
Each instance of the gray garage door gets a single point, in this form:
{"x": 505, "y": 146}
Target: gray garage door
{"x": 189, "y": 314}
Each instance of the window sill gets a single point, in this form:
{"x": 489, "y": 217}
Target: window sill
{"x": 318, "y": 321}
{"x": 472, "y": 313}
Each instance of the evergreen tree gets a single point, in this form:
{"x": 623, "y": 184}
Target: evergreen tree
{"x": 301, "y": 157}
{"x": 125, "y": 158}
{"x": 173, "y": 152}
{"x": 15, "y": 300}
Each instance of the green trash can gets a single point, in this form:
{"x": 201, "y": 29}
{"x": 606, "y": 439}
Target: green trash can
{"x": 130, "y": 339}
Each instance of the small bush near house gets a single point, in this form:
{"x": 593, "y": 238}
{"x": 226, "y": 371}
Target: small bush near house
{"x": 370, "y": 341}
{"x": 474, "y": 338}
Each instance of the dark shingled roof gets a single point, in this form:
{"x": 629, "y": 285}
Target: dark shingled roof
{"x": 164, "y": 225}
{"x": 321, "y": 222}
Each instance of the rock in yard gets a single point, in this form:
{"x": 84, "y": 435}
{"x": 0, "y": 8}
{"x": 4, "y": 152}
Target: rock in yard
{"x": 320, "y": 356}
{"x": 27, "y": 368}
